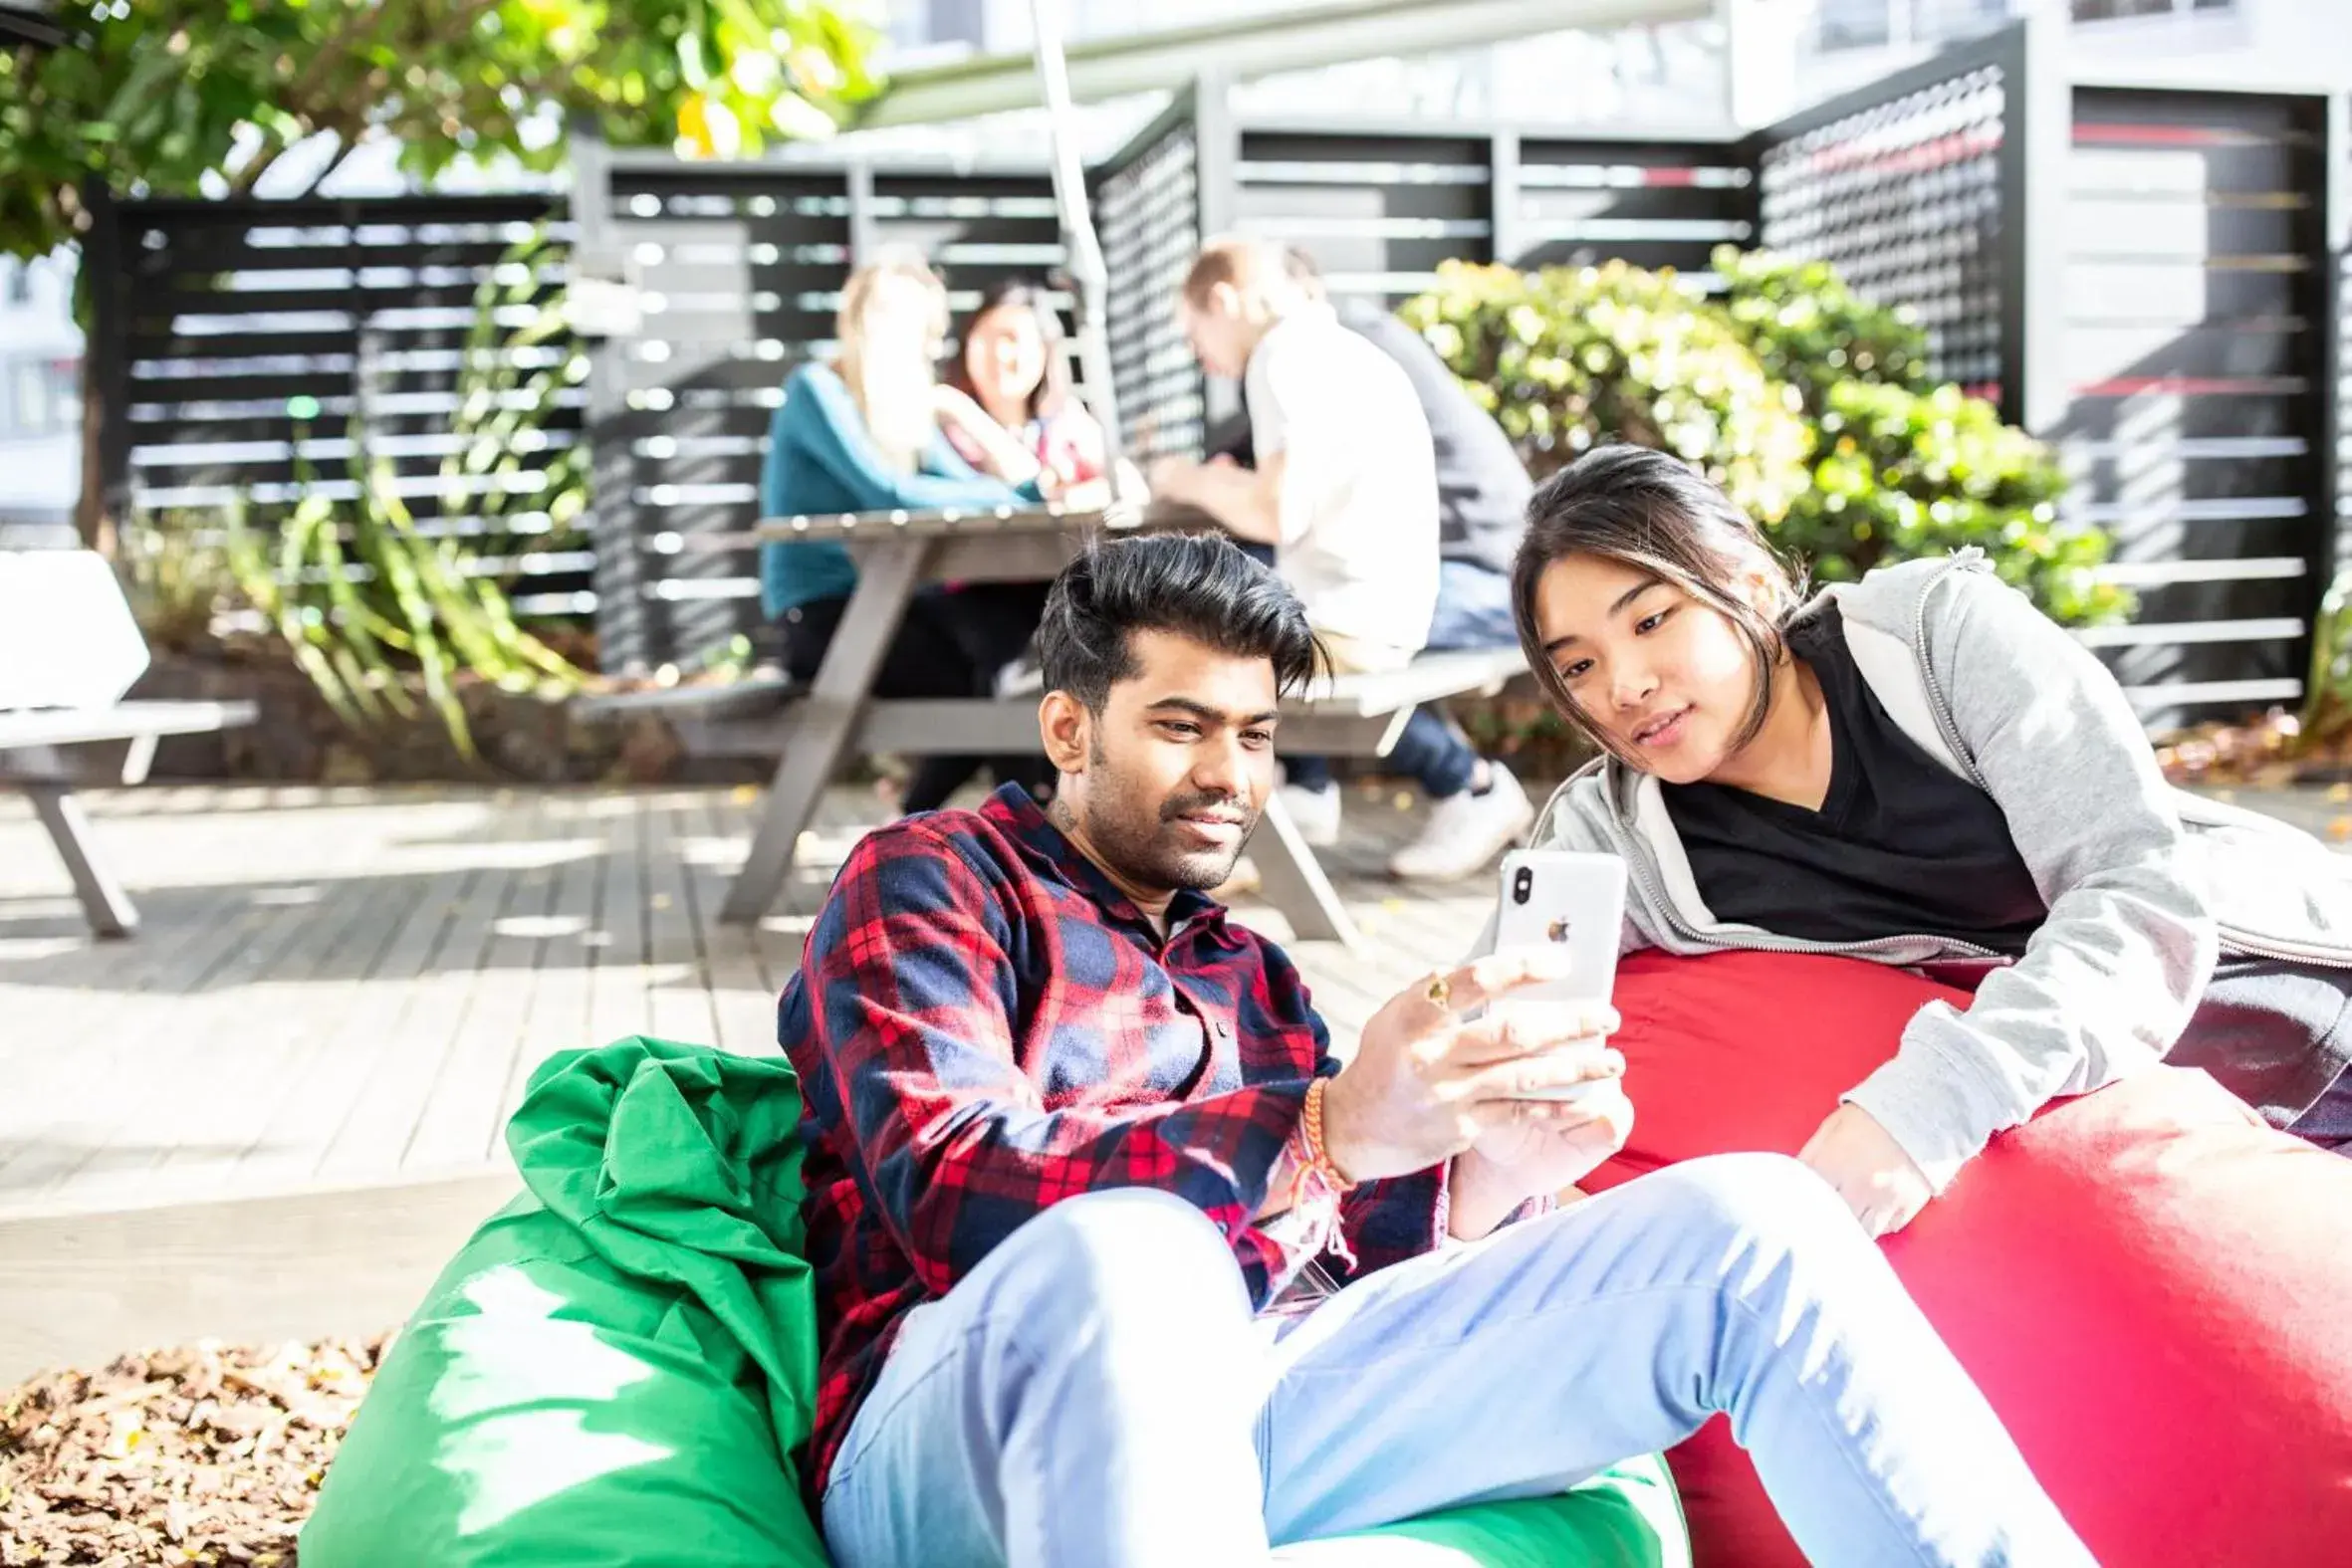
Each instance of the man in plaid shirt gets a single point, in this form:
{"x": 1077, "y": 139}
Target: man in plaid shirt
{"x": 1118, "y": 1266}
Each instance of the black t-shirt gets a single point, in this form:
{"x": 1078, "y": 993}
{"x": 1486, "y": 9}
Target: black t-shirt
{"x": 1482, "y": 487}
{"x": 1901, "y": 845}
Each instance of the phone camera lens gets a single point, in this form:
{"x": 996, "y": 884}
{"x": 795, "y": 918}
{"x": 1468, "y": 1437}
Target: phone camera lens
{"x": 1521, "y": 885}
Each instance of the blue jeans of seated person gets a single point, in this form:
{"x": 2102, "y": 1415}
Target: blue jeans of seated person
{"x": 1096, "y": 1393}
{"x": 1473, "y": 612}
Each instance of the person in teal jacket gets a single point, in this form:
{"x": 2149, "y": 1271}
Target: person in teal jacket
{"x": 862, "y": 435}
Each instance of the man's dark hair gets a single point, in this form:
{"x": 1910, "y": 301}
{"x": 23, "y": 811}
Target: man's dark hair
{"x": 1197, "y": 585}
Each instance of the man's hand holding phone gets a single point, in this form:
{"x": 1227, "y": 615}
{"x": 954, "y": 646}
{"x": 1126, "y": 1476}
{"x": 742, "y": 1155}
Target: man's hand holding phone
{"x": 1429, "y": 1081}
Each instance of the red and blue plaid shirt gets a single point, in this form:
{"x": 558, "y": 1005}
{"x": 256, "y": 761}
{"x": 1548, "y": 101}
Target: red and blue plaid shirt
{"x": 984, "y": 1026}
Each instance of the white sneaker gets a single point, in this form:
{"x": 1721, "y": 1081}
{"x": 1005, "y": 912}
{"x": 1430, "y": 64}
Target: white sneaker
{"x": 1024, "y": 677}
{"x": 1315, "y": 812}
{"x": 1466, "y": 832}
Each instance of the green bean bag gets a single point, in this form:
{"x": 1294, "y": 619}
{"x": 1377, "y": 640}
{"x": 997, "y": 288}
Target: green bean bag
{"x": 619, "y": 1365}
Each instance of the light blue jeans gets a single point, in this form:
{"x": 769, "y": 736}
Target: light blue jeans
{"x": 1098, "y": 1394}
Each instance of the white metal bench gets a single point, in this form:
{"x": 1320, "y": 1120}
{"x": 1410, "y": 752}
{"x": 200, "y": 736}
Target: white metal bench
{"x": 69, "y": 650}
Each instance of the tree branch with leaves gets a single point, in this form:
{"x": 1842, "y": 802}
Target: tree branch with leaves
{"x": 178, "y": 98}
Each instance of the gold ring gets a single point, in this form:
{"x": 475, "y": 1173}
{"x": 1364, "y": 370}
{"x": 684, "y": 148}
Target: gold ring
{"x": 1440, "y": 991}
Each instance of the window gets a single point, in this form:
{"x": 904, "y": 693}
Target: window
{"x": 1876, "y": 24}
{"x": 2120, "y": 10}
{"x": 1944, "y": 20}
{"x": 39, "y": 397}
{"x": 958, "y": 22}
{"x": 1879, "y": 24}
{"x": 1852, "y": 24}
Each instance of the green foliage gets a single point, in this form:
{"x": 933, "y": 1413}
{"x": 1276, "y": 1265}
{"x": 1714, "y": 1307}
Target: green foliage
{"x": 361, "y": 597}
{"x": 1569, "y": 356}
{"x": 1905, "y": 474}
{"x": 1806, "y": 327}
{"x": 151, "y": 96}
{"x": 519, "y": 360}
{"x": 1905, "y": 468}
{"x": 178, "y": 580}
{"x": 1812, "y": 408}
{"x": 2327, "y": 695}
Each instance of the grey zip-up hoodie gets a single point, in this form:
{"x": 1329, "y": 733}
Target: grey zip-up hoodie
{"x": 2143, "y": 882}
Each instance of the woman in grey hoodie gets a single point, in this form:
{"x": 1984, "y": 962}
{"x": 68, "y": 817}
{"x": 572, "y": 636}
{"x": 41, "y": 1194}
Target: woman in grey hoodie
{"x": 1920, "y": 769}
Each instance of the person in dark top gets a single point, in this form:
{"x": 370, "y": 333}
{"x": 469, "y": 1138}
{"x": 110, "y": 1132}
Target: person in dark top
{"x": 1901, "y": 842}
{"x": 1919, "y": 768}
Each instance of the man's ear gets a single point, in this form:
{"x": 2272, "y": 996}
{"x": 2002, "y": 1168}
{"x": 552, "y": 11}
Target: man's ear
{"x": 1066, "y": 727}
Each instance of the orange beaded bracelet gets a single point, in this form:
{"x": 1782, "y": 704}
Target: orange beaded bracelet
{"x": 1315, "y": 1155}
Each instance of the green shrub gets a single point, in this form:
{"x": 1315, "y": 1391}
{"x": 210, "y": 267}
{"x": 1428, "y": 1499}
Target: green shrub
{"x": 1806, "y": 329}
{"x": 1905, "y": 474}
{"x": 1570, "y": 356}
{"x": 1903, "y": 467}
{"x": 360, "y": 596}
{"x": 1811, "y": 407}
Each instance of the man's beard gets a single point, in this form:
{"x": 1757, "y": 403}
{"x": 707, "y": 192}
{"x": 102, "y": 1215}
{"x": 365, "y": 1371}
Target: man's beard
{"x": 1152, "y": 855}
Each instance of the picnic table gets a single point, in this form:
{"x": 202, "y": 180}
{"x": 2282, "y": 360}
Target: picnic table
{"x": 898, "y": 552}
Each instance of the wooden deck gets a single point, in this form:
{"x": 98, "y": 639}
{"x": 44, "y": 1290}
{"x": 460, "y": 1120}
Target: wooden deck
{"x": 346, "y": 987}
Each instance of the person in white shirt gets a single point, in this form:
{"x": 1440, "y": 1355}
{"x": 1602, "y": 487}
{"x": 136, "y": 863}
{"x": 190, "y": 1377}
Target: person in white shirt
{"x": 1346, "y": 491}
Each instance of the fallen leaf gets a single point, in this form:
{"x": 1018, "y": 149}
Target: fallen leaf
{"x": 216, "y": 1448}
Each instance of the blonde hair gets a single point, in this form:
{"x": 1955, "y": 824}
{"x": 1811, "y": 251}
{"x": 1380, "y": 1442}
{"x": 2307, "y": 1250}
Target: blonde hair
{"x": 892, "y": 319}
{"x": 1259, "y": 271}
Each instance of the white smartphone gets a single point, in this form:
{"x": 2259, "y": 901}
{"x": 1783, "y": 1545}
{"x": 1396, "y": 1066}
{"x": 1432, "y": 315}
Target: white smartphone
{"x": 1563, "y": 898}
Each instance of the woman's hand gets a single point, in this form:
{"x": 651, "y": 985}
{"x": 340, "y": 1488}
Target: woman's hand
{"x": 1170, "y": 478}
{"x": 999, "y": 454}
{"x": 1870, "y": 1170}
{"x": 1424, "y": 1085}
{"x": 1087, "y": 495}
{"x": 956, "y": 407}
{"x": 1518, "y": 1160}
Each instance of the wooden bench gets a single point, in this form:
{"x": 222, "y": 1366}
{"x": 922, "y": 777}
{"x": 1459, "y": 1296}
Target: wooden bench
{"x": 812, "y": 729}
{"x": 69, "y": 649}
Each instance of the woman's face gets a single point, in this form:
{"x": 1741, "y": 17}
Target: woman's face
{"x": 1663, "y": 676}
{"x": 900, "y": 324}
{"x": 1005, "y": 355}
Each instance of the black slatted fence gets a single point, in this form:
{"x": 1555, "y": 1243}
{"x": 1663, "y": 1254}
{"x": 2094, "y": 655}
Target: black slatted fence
{"x": 1147, "y": 214}
{"x": 245, "y": 346}
{"x": 738, "y": 273}
{"x": 2194, "y": 360}
{"x": 2179, "y": 364}
{"x": 1379, "y": 211}
{"x": 1907, "y": 186}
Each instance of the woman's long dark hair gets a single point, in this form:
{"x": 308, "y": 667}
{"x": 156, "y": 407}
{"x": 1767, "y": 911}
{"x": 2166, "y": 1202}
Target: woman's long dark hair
{"x": 1051, "y": 394}
{"x": 1654, "y": 514}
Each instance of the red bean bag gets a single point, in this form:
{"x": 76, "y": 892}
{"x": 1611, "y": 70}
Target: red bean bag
{"x": 2153, "y": 1287}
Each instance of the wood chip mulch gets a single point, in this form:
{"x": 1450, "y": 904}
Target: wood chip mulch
{"x": 2270, "y": 752}
{"x": 208, "y": 1454}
